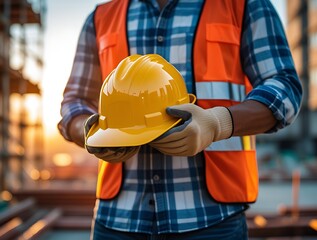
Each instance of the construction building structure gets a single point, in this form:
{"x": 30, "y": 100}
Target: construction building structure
{"x": 21, "y": 63}
{"x": 302, "y": 36}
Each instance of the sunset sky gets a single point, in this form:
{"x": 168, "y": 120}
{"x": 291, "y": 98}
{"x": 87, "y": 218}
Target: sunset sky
{"x": 63, "y": 22}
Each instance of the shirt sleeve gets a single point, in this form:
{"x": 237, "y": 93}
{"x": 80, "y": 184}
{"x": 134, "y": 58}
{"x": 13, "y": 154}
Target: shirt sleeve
{"x": 81, "y": 94}
{"x": 268, "y": 63}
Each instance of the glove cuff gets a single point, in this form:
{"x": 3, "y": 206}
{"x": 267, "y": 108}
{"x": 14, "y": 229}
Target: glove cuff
{"x": 224, "y": 123}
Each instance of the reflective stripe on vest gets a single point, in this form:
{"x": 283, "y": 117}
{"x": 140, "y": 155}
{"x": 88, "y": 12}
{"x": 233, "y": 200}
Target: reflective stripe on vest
{"x": 231, "y": 168}
{"x": 220, "y": 90}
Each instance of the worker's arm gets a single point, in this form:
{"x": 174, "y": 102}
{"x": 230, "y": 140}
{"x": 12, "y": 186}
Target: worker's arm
{"x": 81, "y": 93}
{"x": 251, "y": 117}
{"x": 201, "y": 127}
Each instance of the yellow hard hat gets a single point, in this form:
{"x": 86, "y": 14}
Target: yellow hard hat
{"x": 133, "y": 100}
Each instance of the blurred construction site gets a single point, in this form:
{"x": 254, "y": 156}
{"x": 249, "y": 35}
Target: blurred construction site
{"x": 47, "y": 185}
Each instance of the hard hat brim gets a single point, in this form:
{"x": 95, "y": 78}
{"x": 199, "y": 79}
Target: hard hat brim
{"x": 126, "y": 137}
{"x": 129, "y": 137}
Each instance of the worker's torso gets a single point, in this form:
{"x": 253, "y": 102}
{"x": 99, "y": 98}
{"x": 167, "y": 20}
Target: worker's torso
{"x": 231, "y": 170}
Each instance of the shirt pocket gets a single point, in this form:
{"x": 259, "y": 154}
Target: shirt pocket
{"x": 223, "y": 51}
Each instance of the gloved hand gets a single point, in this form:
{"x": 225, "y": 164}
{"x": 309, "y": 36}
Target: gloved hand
{"x": 199, "y": 129}
{"x": 109, "y": 154}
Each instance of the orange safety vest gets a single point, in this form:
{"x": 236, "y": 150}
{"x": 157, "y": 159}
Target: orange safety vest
{"x": 231, "y": 166}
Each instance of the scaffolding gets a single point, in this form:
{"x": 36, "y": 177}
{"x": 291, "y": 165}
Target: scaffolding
{"x": 21, "y": 50}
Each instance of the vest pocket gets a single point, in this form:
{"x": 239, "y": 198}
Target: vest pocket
{"x": 232, "y": 176}
{"x": 223, "y": 47}
{"x": 108, "y": 51}
{"x": 107, "y": 41}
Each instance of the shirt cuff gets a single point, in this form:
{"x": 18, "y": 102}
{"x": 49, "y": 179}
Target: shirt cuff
{"x": 63, "y": 125}
{"x": 275, "y": 104}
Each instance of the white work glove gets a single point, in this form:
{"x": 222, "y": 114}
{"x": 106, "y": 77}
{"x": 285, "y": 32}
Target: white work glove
{"x": 108, "y": 154}
{"x": 200, "y": 127}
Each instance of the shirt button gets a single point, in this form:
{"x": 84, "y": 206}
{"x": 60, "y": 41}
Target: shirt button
{"x": 160, "y": 38}
{"x": 156, "y": 178}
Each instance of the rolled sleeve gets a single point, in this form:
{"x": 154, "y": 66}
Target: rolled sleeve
{"x": 268, "y": 63}
{"x": 81, "y": 94}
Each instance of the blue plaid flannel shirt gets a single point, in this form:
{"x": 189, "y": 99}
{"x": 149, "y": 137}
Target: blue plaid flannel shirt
{"x": 160, "y": 193}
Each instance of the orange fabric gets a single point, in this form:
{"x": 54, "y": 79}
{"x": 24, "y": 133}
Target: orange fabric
{"x": 111, "y": 39}
{"x": 221, "y": 49}
{"x": 109, "y": 179}
{"x": 220, "y": 32}
{"x": 231, "y": 176}
{"x": 110, "y": 22}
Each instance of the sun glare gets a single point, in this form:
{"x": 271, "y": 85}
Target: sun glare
{"x": 33, "y": 106}
{"x": 62, "y": 159}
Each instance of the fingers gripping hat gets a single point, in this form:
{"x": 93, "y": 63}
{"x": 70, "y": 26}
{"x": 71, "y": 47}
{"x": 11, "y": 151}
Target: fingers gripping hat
{"x": 133, "y": 100}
